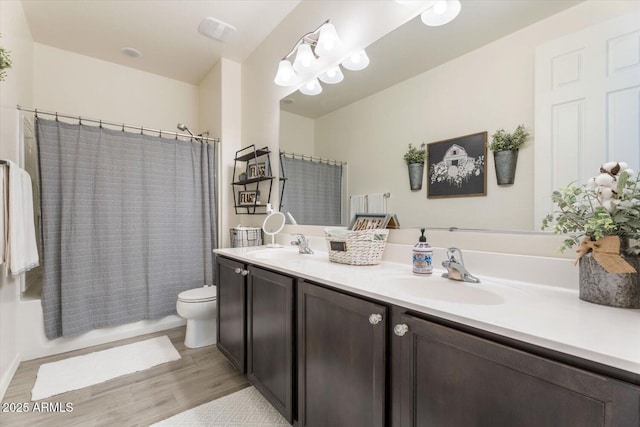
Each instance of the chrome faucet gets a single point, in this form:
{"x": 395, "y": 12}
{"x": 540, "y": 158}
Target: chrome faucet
{"x": 455, "y": 267}
{"x": 302, "y": 244}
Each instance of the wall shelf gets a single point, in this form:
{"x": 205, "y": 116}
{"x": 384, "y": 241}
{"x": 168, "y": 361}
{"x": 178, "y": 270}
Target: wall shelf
{"x": 248, "y": 193}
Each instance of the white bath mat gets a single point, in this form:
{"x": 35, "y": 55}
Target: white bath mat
{"x": 244, "y": 408}
{"x": 82, "y": 371}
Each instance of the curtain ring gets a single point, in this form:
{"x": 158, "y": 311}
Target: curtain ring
{"x": 123, "y": 127}
{"x": 80, "y": 120}
{"x": 36, "y": 111}
{"x": 160, "y": 136}
{"x": 100, "y": 124}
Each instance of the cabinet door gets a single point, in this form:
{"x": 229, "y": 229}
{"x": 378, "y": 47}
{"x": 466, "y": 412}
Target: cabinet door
{"x": 270, "y": 338}
{"x": 341, "y": 359}
{"x": 231, "y": 297}
{"x": 451, "y": 378}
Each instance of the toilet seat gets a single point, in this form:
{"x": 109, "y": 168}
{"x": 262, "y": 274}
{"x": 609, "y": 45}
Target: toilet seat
{"x": 204, "y": 294}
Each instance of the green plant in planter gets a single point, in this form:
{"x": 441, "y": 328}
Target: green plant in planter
{"x": 503, "y": 141}
{"x": 415, "y": 155}
{"x": 5, "y": 62}
{"x": 608, "y": 205}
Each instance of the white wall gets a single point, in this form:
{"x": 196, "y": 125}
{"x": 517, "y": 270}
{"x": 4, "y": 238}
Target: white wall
{"x": 231, "y": 121}
{"x": 210, "y": 102}
{"x": 297, "y": 133}
{"x": 15, "y": 89}
{"x": 70, "y": 83}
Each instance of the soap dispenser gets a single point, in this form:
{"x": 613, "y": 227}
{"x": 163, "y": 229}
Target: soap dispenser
{"x": 422, "y": 256}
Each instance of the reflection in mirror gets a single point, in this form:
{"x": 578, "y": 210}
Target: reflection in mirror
{"x": 427, "y": 85}
{"x": 272, "y": 225}
{"x": 312, "y": 189}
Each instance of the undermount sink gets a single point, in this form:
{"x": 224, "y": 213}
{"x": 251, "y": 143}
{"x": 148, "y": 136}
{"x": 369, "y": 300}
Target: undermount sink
{"x": 436, "y": 288}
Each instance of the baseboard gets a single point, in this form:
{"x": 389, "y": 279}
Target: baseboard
{"x": 6, "y": 377}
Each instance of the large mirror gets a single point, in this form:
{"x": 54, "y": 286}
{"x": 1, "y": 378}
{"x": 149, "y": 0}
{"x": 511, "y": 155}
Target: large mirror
{"x": 428, "y": 84}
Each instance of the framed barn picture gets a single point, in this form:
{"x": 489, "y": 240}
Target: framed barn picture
{"x": 457, "y": 167}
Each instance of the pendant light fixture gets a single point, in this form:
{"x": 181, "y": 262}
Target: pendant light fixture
{"x": 357, "y": 61}
{"x": 332, "y": 75}
{"x": 312, "y": 87}
{"x": 441, "y": 13}
{"x": 328, "y": 40}
{"x": 286, "y": 76}
{"x": 305, "y": 58}
{"x": 314, "y": 52}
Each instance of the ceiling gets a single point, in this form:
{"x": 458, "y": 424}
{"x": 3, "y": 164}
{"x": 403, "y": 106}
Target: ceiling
{"x": 165, "y": 31}
{"x": 415, "y": 48}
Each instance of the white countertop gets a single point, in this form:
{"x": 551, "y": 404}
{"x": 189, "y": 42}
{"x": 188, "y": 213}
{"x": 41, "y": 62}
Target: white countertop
{"x": 547, "y": 316}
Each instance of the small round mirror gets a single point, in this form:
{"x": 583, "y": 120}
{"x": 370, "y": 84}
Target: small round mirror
{"x": 272, "y": 225}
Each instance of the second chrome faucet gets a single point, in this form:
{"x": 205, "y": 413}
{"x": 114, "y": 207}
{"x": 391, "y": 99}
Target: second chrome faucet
{"x": 302, "y": 244}
{"x": 455, "y": 267}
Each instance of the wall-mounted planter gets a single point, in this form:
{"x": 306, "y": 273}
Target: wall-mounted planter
{"x": 416, "y": 171}
{"x": 505, "y": 163}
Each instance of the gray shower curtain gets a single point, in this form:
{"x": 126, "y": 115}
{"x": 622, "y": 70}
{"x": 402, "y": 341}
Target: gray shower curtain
{"x": 128, "y": 222}
{"x": 312, "y": 191}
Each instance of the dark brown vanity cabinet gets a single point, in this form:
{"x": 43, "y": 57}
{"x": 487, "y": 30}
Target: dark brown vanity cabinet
{"x": 341, "y": 359}
{"x": 325, "y": 358}
{"x": 445, "y": 377}
{"x": 270, "y": 337}
{"x": 231, "y": 300}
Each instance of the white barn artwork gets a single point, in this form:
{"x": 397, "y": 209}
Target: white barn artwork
{"x": 456, "y": 156}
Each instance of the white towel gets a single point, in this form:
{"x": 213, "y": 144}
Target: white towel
{"x": 20, "y": 252}
{"x": 376, "y": 203}
{"x": 357, "y": 205}
{"x": 4, "y": 211}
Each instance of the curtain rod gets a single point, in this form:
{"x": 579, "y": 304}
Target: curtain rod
{"x": 120, "y": 125}
{"x": 312, "y": 158}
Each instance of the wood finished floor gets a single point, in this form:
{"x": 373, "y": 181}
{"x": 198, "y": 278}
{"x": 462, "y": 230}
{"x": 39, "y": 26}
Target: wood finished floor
{"x": 138, "y": 399}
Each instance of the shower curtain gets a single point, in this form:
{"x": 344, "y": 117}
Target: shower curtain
{"x": 312, "y": 192}
{"x": 128, "y": 222}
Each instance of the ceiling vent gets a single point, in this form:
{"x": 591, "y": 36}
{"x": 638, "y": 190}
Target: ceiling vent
{"x": 216, "y": 29}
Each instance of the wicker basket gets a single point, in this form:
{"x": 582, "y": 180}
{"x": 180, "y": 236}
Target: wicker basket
{"x": 363, "y": 247}
{"x": 245, "y": 236}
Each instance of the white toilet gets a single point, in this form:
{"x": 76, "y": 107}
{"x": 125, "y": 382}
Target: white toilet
{"x": 198, "y": 306}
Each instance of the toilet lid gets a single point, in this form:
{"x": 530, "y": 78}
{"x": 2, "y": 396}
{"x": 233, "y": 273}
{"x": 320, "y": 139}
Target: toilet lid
{"x": 207, "y": 293}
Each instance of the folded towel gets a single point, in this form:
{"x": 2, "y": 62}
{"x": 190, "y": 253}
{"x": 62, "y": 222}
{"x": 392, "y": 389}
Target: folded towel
{"x": 357, "y": 205}
{"x": 20, "y": 251}
{"x": 376, "y": 203}
{"x": 4, "y": 211}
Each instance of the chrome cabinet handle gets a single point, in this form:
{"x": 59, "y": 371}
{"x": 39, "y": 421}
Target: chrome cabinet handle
{"x": 244, "y": 272}
{"x": 376, "y": 318}
{"x": 400, "y": 329}
{"x": 241, "y": 271}
{"x": 238, "y": 270}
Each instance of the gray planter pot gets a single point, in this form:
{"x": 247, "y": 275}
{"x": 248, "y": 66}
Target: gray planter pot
{"x": 613, "y": 289}
{"x": 505, "y": 163}
{"x": 415, "y": 175}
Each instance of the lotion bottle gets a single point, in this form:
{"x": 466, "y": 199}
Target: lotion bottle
{"x": 422, "y": 256}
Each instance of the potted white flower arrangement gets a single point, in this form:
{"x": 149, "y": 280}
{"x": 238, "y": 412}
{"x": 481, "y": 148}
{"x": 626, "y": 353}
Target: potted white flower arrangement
{"x": 602, "y": 217}
{"x": 414, "y": 158}
{"x": 505, "y": 148}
